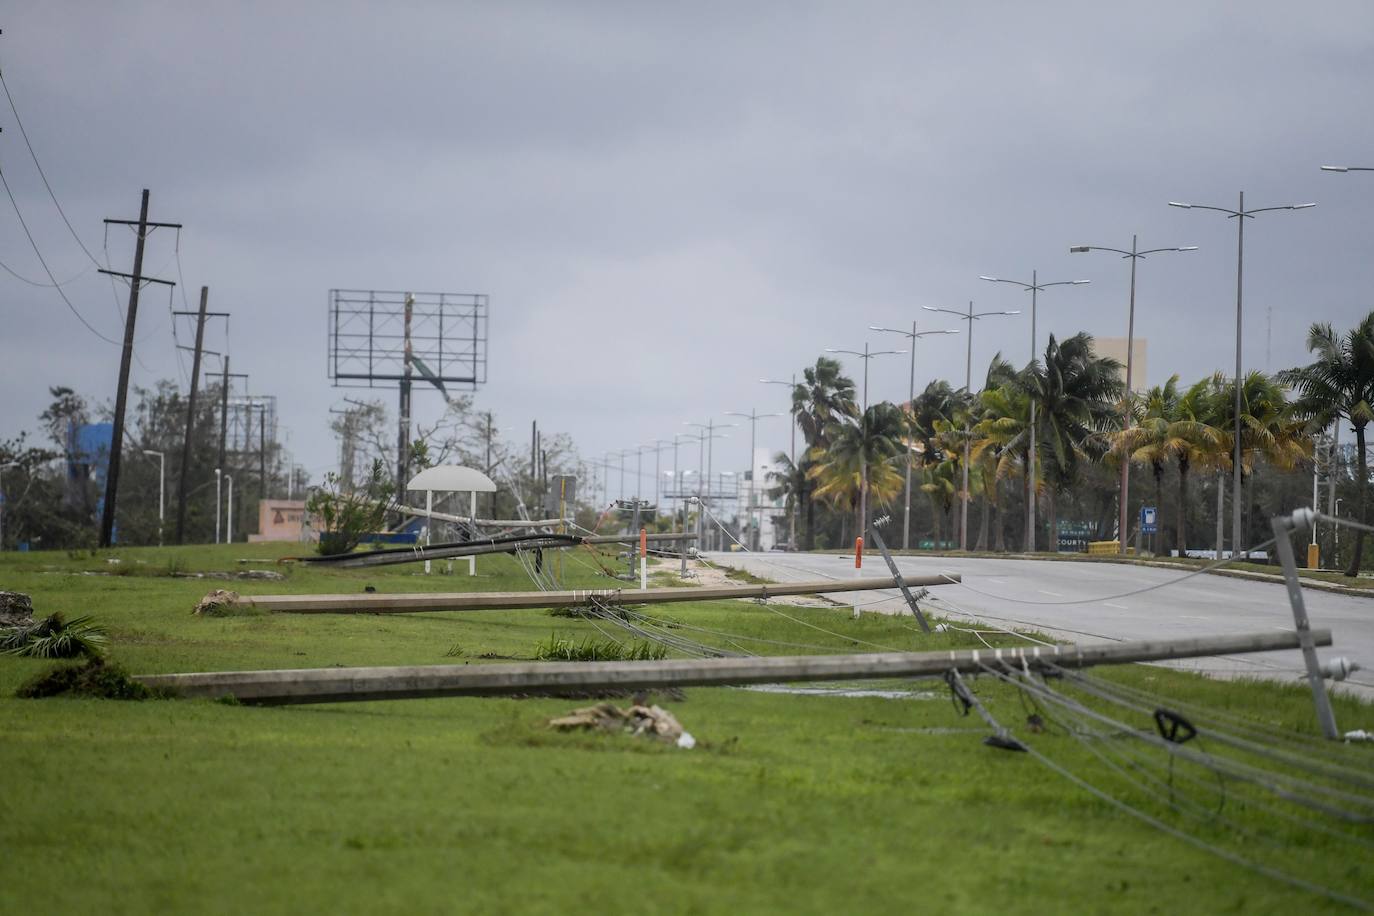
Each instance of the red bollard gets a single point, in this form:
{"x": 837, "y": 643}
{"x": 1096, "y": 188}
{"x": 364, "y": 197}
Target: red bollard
{"x": 858, "y": 552}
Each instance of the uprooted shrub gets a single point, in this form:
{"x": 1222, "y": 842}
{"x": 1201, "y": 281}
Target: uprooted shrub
{"x": 54, "y": 637}
{"x": 95, "y": 678}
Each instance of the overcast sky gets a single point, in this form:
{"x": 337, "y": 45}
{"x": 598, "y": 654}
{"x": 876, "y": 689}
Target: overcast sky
{"x": 667, "y": 202}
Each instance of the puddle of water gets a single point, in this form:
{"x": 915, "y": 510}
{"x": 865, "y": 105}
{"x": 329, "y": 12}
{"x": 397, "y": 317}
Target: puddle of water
{"x": 847, "y": 692}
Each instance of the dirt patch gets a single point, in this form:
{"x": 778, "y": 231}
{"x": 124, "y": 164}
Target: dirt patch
{"x": 716, "y": 575}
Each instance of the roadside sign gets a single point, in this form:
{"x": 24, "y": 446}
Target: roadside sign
{"x": 1149, "y": 520}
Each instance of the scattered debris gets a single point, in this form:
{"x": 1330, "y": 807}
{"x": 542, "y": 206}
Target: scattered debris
{"x": 219, "y": 603}
{"x": 240, "y": 574}
{"x": 96, "y": 678}
{"x": 653, "y": 721}
{"x": 16, "y": 609}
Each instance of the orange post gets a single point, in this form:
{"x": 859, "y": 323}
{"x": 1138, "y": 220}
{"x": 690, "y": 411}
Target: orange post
{"x": 859, "y": 552}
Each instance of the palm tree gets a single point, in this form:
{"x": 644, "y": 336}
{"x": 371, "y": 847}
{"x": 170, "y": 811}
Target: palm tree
{"x": 789, "y": 483}
{"x": 1002, "y": 435}
{"x": 874, "y": 442}
{"x": 823, "y": 398}
{"x": 1076, "y": 395}
{"x": 1340, "y": 384}
{"x": 1171, "y": 427}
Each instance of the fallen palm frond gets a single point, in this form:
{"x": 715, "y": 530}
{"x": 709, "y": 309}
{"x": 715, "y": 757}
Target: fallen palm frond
{"x": 563, "y": 649}
{"x": 54, "y": 637}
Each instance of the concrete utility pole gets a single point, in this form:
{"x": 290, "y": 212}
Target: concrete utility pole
{"x": 262, "y": 448}
{"x": 136, "y": 280}
{"x": 1033, "y": 287}
{"x": 161, "y": 489}
{"x": 1240, "y": 215}
{"x": 183, "y": 482}
{"x": 225, "y": 376}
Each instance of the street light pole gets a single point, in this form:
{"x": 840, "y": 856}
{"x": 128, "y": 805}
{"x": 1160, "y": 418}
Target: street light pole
{"x": 866, "y": 355}
{"x": 229, "y": 513}
{"x": 1240, "y": 215}
{"x": 792, "y": 456}
{"x": 219, "y": 499}
{"x": 753, "y": 416}
{"x": 1034, "y": 287}
{"x": 913, "y": 335}
{"x": 1135, "y": 254}
{"x": 708, "y": 434}
{"x": 161, "y": 489}
{"x": 970, "y": 316}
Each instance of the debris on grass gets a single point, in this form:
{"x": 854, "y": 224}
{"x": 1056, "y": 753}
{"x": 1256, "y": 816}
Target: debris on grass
{"x": 563, "y": 649}
{"x": 16, "y": 609}
{"x": 219, "y": 603}
{"x": 96, "y": 678}
{"x": 648, "y": 721}
{"x": 54, "y": 637}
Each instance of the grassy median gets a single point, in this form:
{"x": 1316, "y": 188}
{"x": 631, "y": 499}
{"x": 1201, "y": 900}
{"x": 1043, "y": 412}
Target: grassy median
{"x": 789, "y": 803}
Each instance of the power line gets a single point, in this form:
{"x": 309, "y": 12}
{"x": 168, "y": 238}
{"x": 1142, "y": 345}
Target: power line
{"x": 56, "y": 286}
{"x": 25, "y": 134}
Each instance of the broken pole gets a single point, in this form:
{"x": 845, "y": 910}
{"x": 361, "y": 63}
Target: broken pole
{"x": 332, "y": 685}
{"x": 417, "y": 602}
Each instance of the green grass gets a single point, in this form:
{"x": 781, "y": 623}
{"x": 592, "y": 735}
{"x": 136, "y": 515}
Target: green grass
{"x": 789, "y": 803}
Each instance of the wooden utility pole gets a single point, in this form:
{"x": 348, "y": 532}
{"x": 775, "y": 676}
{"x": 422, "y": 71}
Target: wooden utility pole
{"x": 183, "y": 482}
{"x": 136, "y": 280}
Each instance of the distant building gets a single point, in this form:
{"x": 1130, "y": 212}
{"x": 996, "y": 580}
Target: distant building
{"x": 1115, "y": 347}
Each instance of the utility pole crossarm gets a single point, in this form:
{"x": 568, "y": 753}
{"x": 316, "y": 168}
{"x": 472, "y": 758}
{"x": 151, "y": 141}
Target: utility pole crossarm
{"x": 135, "y": 277}
{"x": 144, "y": 224}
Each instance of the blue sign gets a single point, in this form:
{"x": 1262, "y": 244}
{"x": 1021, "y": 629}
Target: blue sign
{"x": 1149, "y": 520}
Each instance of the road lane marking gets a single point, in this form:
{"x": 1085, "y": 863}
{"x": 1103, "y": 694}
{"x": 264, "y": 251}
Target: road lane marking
{"x": 1121, "y": 606}
{"x": 1051, "y": 594}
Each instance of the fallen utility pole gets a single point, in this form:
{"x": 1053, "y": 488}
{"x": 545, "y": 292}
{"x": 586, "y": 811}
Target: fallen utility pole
{"x": 332, "y": 685}
{"x": 376, "y": 603}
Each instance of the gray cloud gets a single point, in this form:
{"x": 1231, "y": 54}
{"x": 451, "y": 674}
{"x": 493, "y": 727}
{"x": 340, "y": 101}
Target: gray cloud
{"x": 667, "y": 203}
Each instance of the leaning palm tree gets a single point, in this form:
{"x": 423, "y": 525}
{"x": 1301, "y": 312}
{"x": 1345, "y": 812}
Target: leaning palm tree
{"x": 1002, "y": 436}
{"x": 824, "y": 398}
{"x": 1340, "y": 385}
{"x": 874, "y": 443}
{"x": 1076, "y": 394}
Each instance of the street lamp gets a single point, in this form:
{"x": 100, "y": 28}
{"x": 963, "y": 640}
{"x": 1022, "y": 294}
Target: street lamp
{"x": 970, "y": 316}
{"x": 866, "y": 355}
{"x": 1240, "y": 215}
{"x": 4, "y": 467}
{"x": 161, "y": 488}
{"x": 219, "y": 499}
{"x": 753, "y": 416}
{"x": 1033, "y": 287}
{"x": 792, "y": 409}
{"x": 913, "y": 335}
{"x": 707, "y": 434}
{"x": 1135, "y": 255}
{"x": 229, "y": 512}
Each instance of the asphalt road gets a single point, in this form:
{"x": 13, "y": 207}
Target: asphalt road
{"x": 1094, "y": 601}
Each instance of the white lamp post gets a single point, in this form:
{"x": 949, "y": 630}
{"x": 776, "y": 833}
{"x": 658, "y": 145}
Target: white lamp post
{"x": 866, "y": 355}
{"x": 1033, "y": 287}
{"x": 161, "y": 489}
{"x": 1240, "y": 215}
{"x": 913, "y": 335}
{"x": 1135, "y": 255}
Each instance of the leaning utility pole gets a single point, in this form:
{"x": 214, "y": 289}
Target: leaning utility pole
{"x": 136, "y": 279}
{"x": 201, "y": 315}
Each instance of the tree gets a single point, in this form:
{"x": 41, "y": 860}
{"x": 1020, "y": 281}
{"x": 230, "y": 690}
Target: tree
{"x": 1076, "y": 393}
{"x": 788, "y": 483}
{"x": 1002, "y": 434}
{"x": 1340, "y": 384}
{"x": 1271, "y": 429}
{"x": 873, "y": 443}
{"x": 824, "y": 397}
